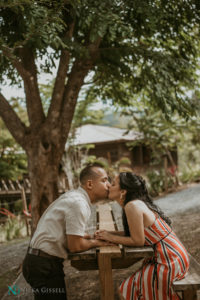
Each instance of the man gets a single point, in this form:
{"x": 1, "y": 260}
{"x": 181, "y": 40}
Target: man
{"x": 61, "y": 227}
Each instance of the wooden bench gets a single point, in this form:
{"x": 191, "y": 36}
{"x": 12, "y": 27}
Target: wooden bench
{"x": 189, "y": 285}
{"x": 107, "y": 258}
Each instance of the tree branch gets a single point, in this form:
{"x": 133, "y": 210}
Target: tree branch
{"x": 59, "y": 86}
{"x": 16, "y": 127}
{"x": 33, "y": 99}
{"x": 27, "y": 70}
{"x": 76, "y": 79}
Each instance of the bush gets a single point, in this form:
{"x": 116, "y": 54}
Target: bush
{"x": 190, "y": 176}
{"x": 12, "y": 228}
{"x": 125, "y": 161}
{"x": 156, "y": 181}
{"x": 18, "y": 206}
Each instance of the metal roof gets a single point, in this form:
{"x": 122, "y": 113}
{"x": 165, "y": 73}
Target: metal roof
{"x": 93, "y": 134}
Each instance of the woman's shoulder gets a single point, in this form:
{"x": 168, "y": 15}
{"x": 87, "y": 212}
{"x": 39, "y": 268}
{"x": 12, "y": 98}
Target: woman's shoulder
{"x": 136, "y": 203}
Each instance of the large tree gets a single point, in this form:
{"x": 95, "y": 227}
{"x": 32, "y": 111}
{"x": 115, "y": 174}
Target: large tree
{"x": 145, "y": 45}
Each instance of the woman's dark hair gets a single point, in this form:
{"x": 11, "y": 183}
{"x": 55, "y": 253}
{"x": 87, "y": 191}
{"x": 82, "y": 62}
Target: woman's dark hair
{"x": 136, "y": 189}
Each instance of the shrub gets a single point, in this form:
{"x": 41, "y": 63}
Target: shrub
{"x": 12, "y": 228}
{"x": 188, "y": 176}
{"x": 125, "y": 161}
{"x": 156, "y": 181}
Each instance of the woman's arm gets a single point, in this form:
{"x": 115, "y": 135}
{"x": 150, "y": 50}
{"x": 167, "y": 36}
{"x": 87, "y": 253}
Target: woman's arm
{"x": 114, "y": 238}
{"x": 135, "y": 216}
{"x": 134, "y": 213}
{"x": 120, "y": 233}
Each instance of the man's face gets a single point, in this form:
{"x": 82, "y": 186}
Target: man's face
{"x": 100, "y": 184}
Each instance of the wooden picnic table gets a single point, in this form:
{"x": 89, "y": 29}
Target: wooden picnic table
{"x": 108, "y": 216}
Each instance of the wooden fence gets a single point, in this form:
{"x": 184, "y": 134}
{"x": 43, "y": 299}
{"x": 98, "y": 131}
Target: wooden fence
{"x": 11, "y": 191}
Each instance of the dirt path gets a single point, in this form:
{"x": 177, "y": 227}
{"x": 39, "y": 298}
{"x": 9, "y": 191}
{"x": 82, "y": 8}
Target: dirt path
{"x": 11, "y": 253}
{"x": 184, "y": 209}
{"x": 182, "y": 201}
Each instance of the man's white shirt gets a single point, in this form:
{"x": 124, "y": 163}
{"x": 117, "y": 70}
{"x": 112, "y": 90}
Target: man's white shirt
{"x": 69, "y": 214}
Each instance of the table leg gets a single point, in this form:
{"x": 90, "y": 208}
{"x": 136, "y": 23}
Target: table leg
{"x": 105, "y": 275}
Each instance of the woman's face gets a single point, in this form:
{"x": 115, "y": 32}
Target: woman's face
{"x": 114, "y": 190}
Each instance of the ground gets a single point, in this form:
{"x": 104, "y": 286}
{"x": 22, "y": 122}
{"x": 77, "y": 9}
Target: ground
{"x": 85, "y": 285}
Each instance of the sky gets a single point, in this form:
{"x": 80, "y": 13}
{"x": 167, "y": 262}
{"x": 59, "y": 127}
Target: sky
{"x": 10, "y": 92}
{"x": 13, "y": 91}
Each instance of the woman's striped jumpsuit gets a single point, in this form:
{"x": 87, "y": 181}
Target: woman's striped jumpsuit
{"x": 153, "y": 281}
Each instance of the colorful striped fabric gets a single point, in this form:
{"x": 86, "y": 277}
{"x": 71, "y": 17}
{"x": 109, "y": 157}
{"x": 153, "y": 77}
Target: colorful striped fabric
{"x": 153, "y": 281}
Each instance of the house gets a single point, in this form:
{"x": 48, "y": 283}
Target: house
{"x": 111, "y": 143}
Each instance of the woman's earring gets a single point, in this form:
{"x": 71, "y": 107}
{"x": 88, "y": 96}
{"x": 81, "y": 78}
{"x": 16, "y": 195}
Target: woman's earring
{"x": 122, "y": 198}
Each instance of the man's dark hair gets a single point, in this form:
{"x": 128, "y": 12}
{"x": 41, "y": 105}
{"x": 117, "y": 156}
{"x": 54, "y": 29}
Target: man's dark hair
{"x": 89, "y": 173}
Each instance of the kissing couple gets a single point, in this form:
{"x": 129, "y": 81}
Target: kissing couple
{"x": 62, "y": 228}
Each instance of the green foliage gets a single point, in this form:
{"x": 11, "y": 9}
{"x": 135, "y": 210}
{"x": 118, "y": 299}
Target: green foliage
{"x": 190, "y": 176}
{"x": 157, "y": 180}
{"x": 101, "y": 161}
{"x": 18, "y": 206}
{"x": 13, "y": 161}
{"x": 148, "y": 49}
{"x": 161, "y": 134}
{"x": 154, "y": 62}
{"x": 13, "y": 228}
{"x": 125, "y": 161}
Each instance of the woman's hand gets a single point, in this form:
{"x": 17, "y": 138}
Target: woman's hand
{"x": 103, "y": 235}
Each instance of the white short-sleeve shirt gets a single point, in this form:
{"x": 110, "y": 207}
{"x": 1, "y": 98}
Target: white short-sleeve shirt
{"x": 69, "y": 214}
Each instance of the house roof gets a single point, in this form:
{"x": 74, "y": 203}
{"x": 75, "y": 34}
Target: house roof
{"x": 93, "y": 134}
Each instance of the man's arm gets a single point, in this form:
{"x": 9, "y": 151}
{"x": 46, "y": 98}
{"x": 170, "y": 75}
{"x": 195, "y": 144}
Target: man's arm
{"x": 87, "y": 236}
{"x": 78, "y": 243}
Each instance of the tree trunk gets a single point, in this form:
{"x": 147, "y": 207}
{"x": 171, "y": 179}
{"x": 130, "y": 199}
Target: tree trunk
{"x": 44, "y": 174}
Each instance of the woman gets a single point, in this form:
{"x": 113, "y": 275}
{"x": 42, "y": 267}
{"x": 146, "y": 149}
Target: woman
{"x": 145, "y": 224}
